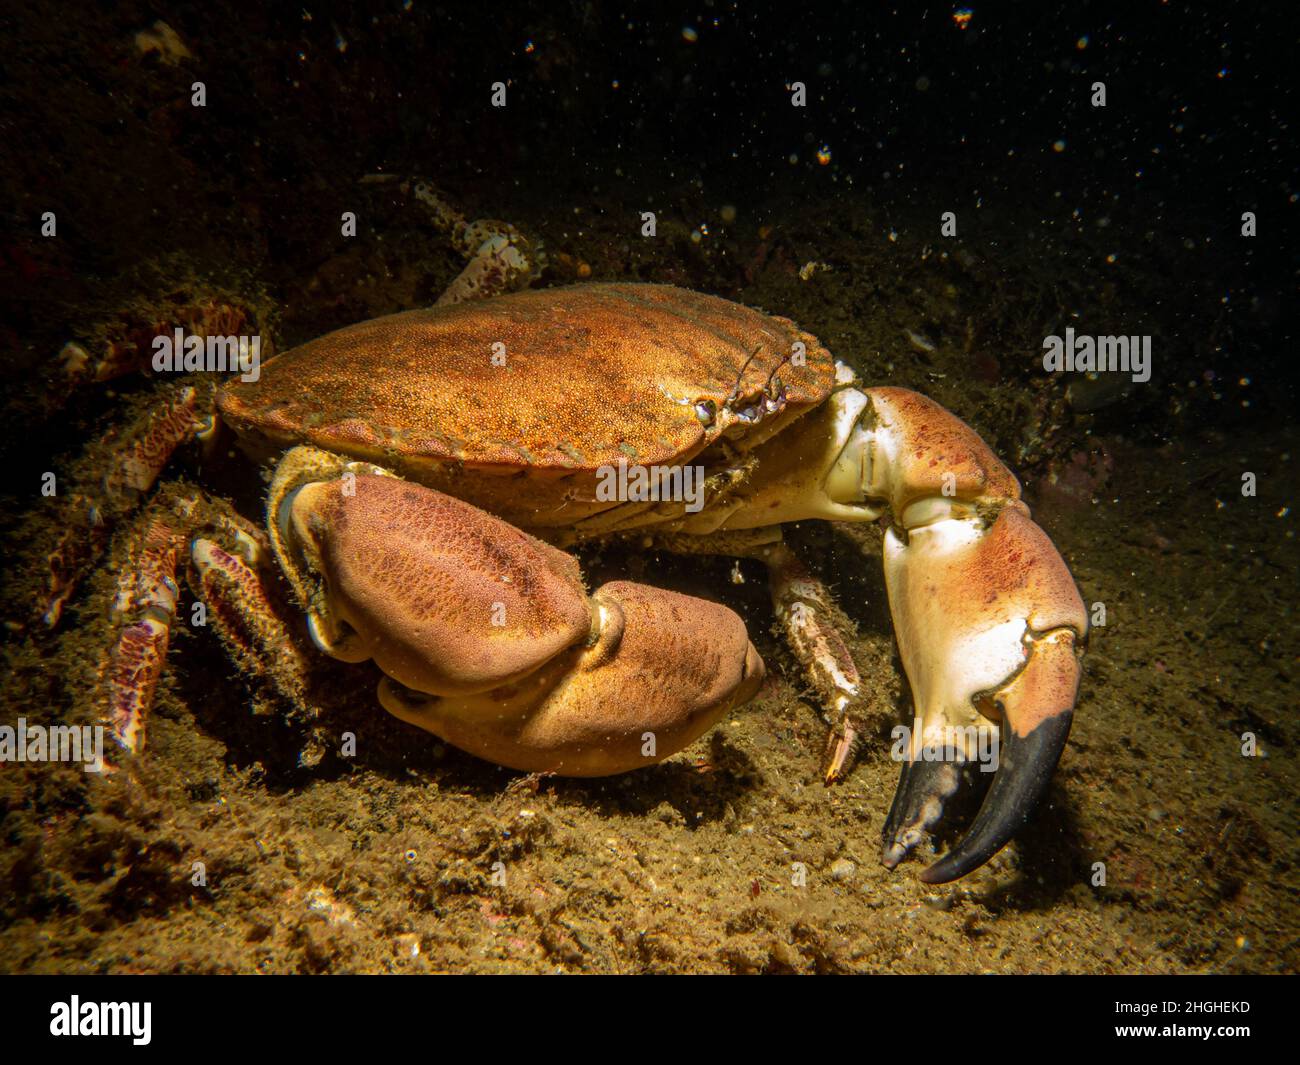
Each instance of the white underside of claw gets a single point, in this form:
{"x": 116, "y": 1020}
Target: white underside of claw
{"x": 948, "y": 660}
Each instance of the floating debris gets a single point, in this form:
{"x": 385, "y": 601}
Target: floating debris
{"x": 809, "y": 268}
{"x": 164, "y": 42}
{"x": 920, "y": 341}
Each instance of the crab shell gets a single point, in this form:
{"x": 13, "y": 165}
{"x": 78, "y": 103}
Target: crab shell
{"x": 514, "y": 405}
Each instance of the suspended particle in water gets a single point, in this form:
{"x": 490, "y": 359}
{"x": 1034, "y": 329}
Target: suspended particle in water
{"x": 824, "y": 154}
{"x": 962, "y": 16}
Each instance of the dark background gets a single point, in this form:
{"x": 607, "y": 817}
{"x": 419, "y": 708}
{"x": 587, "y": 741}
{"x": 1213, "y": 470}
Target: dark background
{"x": 623, "y": 105}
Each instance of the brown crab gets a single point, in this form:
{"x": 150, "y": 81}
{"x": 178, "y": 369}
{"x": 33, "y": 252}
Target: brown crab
{"x": 431, "y": 466}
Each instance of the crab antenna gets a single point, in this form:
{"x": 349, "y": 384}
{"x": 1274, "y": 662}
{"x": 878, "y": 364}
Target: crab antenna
{"x": 768, "y": 383}
{"x": 735, "y": 389}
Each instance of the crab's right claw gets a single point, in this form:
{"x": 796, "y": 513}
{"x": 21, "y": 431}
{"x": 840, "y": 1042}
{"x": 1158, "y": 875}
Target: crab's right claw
{"x": 989, "y": 624}
{"x": 488, "y": 638}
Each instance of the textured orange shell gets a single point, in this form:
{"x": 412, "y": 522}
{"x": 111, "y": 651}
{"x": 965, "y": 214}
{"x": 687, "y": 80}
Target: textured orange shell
{"x": 593, "y": 374}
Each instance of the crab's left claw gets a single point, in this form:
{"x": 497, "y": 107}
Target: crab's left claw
{"x": 1037, "y": 710}
{"x": 988, "y": 621}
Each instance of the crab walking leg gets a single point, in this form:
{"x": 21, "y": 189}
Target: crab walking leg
{"x": 803, "y": 607}
{"x": 499, "y": 264}
{"x": 500, "y": 258}
{"x": 136, "y": 454}
{"x": 226, "y": 574}
{"x": 487, "y": 636}
{"x": 125, "y": 343}
{"x": 226, "y": 560}
{"x": 988, "y": 621}
{"x": 144, "y": 610}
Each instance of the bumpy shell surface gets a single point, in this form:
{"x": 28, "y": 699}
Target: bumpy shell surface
{"x": 586, "y": 376}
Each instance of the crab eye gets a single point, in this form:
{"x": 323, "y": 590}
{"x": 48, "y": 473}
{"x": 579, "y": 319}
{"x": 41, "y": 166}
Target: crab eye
{"x": 706, "y": 410}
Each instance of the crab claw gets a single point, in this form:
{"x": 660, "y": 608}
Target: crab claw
{"x": 1038, "y": 708}
{"x": 488, "y": 638}
{"x": 988, "y": 621}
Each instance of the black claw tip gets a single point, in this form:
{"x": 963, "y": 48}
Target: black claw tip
{"x": 923, "y": 789}
{"x": 1025, "y": 768}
